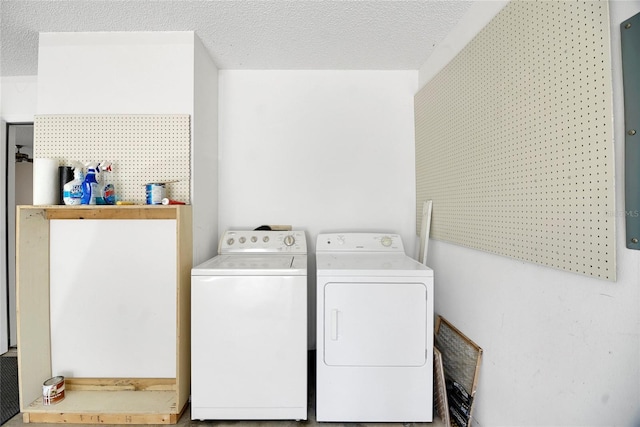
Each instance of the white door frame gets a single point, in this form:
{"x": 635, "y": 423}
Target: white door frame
{"x": 4, "y": 295}
{"x": 8, "y": 318}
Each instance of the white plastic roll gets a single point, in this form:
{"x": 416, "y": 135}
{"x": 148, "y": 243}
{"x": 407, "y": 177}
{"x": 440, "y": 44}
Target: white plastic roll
{"x": 45, "y": 181}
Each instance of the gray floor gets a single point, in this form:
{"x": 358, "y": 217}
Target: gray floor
{"x": 185, "y": 420}
{"x": 9, "y": 400}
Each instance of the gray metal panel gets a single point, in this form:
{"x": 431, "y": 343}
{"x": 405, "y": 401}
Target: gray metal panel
{"x": 630, "y": 42}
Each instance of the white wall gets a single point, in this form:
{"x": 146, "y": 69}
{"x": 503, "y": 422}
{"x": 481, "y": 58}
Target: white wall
{"x": 140, "y": 73}
{"x": 318, "y": 150}
{"x": 19, "y": 95}
{"x": 204, "y": 158}
{"x": 559, "y": 348}
{"x": 115, "y": 73}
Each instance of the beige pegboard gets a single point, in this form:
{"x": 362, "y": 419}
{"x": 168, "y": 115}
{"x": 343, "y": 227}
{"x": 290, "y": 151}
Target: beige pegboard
{"x": 143, "y": 148}
{"x": 514, "y": 139}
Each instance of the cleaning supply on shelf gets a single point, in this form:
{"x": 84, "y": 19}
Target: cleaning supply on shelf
{"x": 108, "y": 189}
{"x": 155, "y": 192}
{"x": 72, "y": 190}
{"x": 91, "y": 194}
{"x": 167, "y": 201}
{"x": 65, "y": 175}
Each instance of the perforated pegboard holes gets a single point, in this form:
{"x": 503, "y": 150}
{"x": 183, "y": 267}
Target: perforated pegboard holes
{"x": 143, "y": 148}
{"x": 514, "y": 140}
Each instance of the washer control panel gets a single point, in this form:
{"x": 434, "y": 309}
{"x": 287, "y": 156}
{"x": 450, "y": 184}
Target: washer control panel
{"x": 359, "y": 242}
{"x": 263, "y": 241}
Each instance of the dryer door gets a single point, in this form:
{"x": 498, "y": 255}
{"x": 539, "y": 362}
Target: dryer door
{"x": 375, "y": 324}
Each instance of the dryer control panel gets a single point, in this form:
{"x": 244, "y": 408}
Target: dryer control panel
{"x": 263, "y": 241}
{"x": 359, "y": 242}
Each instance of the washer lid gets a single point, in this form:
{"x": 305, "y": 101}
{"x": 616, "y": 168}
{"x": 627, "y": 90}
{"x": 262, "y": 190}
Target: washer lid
{"x": 252, "y": 265}
{"x": 369, "y": 264}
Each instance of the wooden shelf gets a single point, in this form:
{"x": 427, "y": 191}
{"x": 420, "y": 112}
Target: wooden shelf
{"x": 95, "y": 400}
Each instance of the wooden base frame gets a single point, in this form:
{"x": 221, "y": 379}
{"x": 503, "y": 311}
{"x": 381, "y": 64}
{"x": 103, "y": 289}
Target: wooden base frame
{"x": 94, "y": 400}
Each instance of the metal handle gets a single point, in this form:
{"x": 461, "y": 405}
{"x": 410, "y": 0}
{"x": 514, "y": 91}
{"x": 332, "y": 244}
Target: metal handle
{"x": 334, "y": 324}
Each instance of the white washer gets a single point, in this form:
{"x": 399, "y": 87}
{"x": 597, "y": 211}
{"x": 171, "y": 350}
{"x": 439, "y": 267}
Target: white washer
{"x": 374, "y": 331}
{"x": 249, "y": 328}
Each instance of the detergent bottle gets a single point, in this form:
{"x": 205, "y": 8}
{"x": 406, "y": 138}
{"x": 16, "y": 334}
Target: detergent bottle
{"x": 72, "y": 190}
{"x": 91, "y": 194}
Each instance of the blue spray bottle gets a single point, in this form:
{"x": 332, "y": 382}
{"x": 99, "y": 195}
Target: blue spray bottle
{"x": 108, "y": 190}
{"x": 91, "y": 194}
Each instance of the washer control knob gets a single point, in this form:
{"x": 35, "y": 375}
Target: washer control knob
{"x": 265, "y": 239}
{"x": 242, "y": 239}
{"x": 254, "y": 239}
{"x": 386, "y": 241}
{"x": 230, "y": 241}
{"x": 289, "y": 240}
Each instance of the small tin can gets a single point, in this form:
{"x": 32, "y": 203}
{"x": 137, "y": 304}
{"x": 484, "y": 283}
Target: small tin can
{"x": 155, "y": 192}
{"x": 53, "y": 390}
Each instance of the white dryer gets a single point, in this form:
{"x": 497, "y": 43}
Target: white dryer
{"x": 249, "y": 328}
{"x": 374, "y": 331}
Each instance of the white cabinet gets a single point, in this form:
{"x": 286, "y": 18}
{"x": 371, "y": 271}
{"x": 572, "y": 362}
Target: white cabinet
{"x": 103, "y": 299}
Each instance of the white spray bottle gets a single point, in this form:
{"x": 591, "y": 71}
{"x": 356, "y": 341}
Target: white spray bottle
{"x": 72, "y": 190}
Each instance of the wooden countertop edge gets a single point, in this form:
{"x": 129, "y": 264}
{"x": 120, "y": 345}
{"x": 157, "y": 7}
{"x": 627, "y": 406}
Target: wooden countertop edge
{"x": 106, "y": 211}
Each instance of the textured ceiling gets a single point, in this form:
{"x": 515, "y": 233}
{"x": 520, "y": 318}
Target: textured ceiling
{"x": 248, "y": 34}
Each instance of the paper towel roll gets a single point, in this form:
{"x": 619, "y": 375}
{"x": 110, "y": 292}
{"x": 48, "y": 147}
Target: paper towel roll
{"x": 45, "y": 181}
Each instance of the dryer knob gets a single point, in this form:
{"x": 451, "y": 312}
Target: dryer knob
{"x": 386, "y": 241}
{"x": 230, "y": 241}
{"x": 289, "y": 240}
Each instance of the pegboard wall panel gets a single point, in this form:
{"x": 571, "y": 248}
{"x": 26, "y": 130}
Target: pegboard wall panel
{"x": 514, "y": 140}
{"x": 143, "y": 149}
